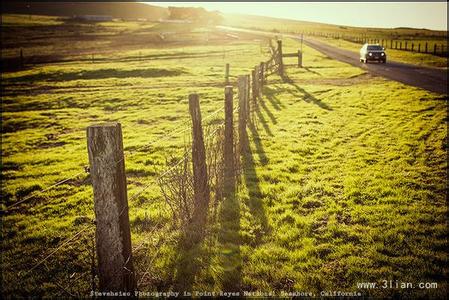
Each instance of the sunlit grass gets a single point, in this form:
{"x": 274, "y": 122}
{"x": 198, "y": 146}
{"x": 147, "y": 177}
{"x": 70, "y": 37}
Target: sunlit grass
{"x": 345, "y": 180}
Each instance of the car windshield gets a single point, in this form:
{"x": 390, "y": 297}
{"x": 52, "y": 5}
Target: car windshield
{"x": 375, "y": 47}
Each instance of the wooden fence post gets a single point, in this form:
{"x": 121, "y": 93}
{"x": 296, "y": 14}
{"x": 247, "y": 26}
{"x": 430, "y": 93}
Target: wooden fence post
{"x": 227, "y": 74}
{"x": 258, "y": 87}
{"x": 113, "y": 236}
{"x": 425, "y": 51}
{"x": 200, "y": 179}
{"x": 229, "y": 169}
{"x": 413, "y": 46}
{"x": 419, "y": 48}
{"x": 299, "y": 59}
{"x": 280, "y": 62}
{"x": 405, "y": 47}
{"x": 434, "y": 49}
{"x": 241, "y": 82}
{"x": 254, "y": 86}
{"x": 262, "y": 76}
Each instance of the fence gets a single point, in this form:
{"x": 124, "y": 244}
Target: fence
{"x": 212, "y": 173}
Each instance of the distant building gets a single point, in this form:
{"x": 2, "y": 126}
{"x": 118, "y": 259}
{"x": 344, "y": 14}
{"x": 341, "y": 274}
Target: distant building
{"x": 94, "y": 18}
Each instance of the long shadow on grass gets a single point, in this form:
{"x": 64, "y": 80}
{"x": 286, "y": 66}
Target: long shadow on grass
{"x": 229, "y": 240}
{"x": 307, "y": 96}
{"x": 257, "y": 142}
{"x": 311, "y": 71}
{"x": 270, "y": 93}
{"x": 252, "y": 182}
{"x": 262, "y": 118}
{"x": 193, "y": 255}
{"x": 269, "y": 113}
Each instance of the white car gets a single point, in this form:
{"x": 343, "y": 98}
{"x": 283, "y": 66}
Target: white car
{"x": 373, "y": 52}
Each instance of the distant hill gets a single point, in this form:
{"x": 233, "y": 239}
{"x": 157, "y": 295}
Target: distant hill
{"x": 127, "y": 10}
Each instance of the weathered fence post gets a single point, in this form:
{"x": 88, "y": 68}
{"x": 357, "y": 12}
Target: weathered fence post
{"x": 254, "y": 86}
{"x": 262, "y": 76}
{"x": 280, "y": 62}
{"x": 413, "y": 46}
{"x": 241, "y": 82}
{"x": 299, "y": 59}
{"x": 425, "y": 51}
{"x": 405, "y": 47}
{"x": 419, "y": 48}
{"x": 200, "y": 179}
{"x": 227, "y": 74}
{"x": 229, "y": 169}
{"x": 258, "y": 87}
{"x": 434, "y": 49}
{"x": 113, "y": 236}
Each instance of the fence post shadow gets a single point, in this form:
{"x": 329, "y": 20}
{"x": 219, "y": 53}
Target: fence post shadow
{"x": 262, "y": 120}
{"x": 307, "y": 96}
{"x": 251, "y": 179}
{"x": 192, "y": 256}
{"x": 259, "y": 147}
{"x": 267, "y": 110}
{"x": 269, "y": 93}
{"x": 229, "y": 240}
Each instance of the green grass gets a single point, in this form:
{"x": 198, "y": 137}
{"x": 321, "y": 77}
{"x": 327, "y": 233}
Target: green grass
{"x": 345, "y": 178}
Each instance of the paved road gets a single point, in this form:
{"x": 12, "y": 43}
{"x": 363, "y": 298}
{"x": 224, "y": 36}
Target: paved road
{"x": 431, "y": 79}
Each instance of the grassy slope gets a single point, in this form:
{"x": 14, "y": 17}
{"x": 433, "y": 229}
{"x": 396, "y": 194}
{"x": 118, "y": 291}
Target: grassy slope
{"x": 345, "y": 179}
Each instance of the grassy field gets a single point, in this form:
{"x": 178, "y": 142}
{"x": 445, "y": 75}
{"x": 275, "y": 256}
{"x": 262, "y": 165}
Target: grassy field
{"x": 345, "y": 180}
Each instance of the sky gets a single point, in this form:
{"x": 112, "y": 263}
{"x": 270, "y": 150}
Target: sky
{"x": 430, "y": 15}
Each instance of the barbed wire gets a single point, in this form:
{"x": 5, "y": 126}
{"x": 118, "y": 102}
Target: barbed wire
{"x": 182, "y": 159}
{"x": 34, "y": 194}
{"x": 66, "y": 242}
{"x": 178, "y": 130}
